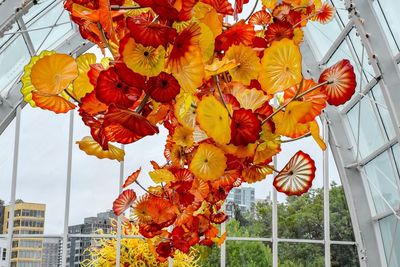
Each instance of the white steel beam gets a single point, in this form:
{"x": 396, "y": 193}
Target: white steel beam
{"x": 223, "y": 246}
{"x": 119, "y": 220}
{"x": 275, "y": 220}
{"x": 327, "y": 232}
{"x": 351, "y": 179}
{"x": 68, "y": 190}
{"x": 11, "y": 209}
{"x": 371, "y": 33}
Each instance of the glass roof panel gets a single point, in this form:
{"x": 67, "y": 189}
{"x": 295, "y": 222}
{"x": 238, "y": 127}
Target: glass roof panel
{"x": 8, "y": 35}
{"x": 390, "y": 230}
{"x": 36, "y": 9}
{"x": 383, "y": 111}
{"x": 383, "y": 183}
{"x": 341, "y": 11}
{"x": 321, "y": 41}
{"x": 48, "y": 37}
{"x": 388, "y": 14}
{"x": 13, "y": 57}
{"x": 365, "y": 127}
{"x": 396, "y": 153}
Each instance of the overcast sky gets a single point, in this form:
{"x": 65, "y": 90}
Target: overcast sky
{"x": 42, "y": 167}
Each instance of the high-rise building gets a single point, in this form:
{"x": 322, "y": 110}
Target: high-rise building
{"x": 242, "y": 197}
{"x": 28, "y": 219}
{"x": 77, "y": 245}
{"x": 51, "y": 255}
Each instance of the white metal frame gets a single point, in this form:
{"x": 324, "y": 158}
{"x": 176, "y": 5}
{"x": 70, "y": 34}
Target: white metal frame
{"x": 354, "y": 179}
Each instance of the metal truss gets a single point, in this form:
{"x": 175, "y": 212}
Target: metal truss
{"x": 356, "y": 183}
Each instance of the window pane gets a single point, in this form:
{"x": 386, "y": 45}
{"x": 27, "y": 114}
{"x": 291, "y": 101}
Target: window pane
{"x": 42, "y": 164}
{"x": 248, "y": 253}
{"x": 6, "y": 165}
{"x": 250, "y": 210}
{"x": 355, "y": 43}
{"x": 43, "y": 39}
{"x": 388, "y": 15}
{"x": 341, "y": 11}
{"x": 369, "y": 135}
{"x": 320, "y": 41}
{"x": 6, "y": 37}
{"x": 13, "y": 57}
{"x": 396, "y": 154}
{"x": 94, "y": 182}
{"x": 302, "y": 216}
{"x": 344, "y": 255}
{"x": 383, "y": 183}
{"x": 390, "y": 230}
{"x": 301, "y": 255}
{"x": 340, "y": 221}
{"x": 341, "y": 228}
{"x": 36, "y": 9}
{"x": 51, "y": 252}
{"x": 3, "y": 251}
{"x": 383, "y": 111}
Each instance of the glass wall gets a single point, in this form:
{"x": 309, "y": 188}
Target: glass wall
{"x": 367, "y": 123}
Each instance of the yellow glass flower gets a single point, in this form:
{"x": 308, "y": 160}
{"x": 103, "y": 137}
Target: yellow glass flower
{"x": 53, "y": 73}
{"x": 281, "y": 66}
{"x": 209, "y": 162}
{"x": 287, "y": 123}
{"x": 185, "y": 109}
{"x": 239, "y": 151}
{"x": 141, "y": 252}
{"x": 209, "y": 16}
{"x": 82, "y": 84}
{"x": 298, "y": 36}
{"x": 27, "y": 86}
{"x": 255, "y": 173}
{"x": 249, "y": 98}
{"x": 213, "y": 118}
{"x": 162, "y": 176}
{"x": 45, "y": 78}
{"x": 91, "y": 147}
{"x": 219, "y": 66}
{"x": 270, "y": 145}
{"x": 189, "y": 74}
{"x": 248, "y": 63}
{"x": 145, "y": 60}
{"x": 206, "y": 42}
{"x": 270, "y": 4}
{"x": 183, "y": 136}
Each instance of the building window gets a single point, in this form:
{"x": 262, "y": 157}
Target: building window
{"x": 4, "y": 254}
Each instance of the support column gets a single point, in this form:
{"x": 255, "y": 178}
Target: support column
{"x": 372, "y": 35}
{"x": 327, "y": 232}
{"x": 11, "y": 209}
{"x": 68, "y": 190}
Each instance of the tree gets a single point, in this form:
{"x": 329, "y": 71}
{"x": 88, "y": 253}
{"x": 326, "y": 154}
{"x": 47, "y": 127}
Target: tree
{"x": 239, "y": 253}
{"x": 298, "y": 218}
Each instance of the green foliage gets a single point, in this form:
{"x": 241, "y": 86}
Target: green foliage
{"x": 248, "y": 253}
{"x": 298, "y": 218}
